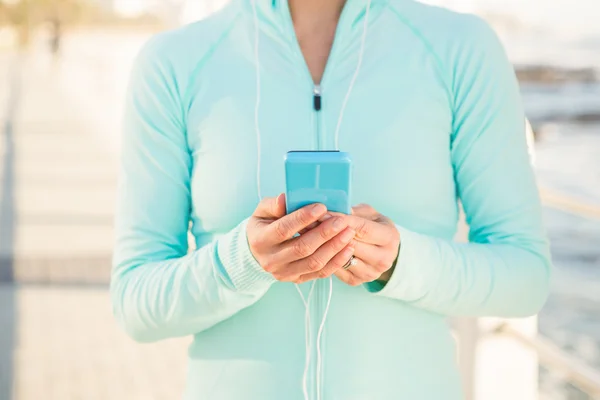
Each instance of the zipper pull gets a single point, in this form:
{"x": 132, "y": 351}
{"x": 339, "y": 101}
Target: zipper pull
{"x": 317, "y": 98}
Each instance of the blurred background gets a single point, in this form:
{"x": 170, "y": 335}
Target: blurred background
{"x": 63, "y": 72}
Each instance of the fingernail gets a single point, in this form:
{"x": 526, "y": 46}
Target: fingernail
{"x": 348, "y": 235}
{"x": 317, "y": 210}
{"x": 338, "y": 225}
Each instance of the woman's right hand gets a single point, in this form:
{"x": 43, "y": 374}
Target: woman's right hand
{"x": 318, "y": 253}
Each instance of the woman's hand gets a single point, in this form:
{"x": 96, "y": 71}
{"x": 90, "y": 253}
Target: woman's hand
{"x": 317, "y": 253}
{"x": 376, "y": 246}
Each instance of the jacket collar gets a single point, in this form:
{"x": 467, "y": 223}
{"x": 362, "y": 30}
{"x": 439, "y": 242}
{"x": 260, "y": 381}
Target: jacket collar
{"x": 277, "y": 13}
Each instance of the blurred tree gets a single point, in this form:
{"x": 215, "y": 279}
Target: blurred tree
{"x": 26, "y": 15}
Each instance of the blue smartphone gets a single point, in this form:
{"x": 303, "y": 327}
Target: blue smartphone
{"x": 318, "y": 177}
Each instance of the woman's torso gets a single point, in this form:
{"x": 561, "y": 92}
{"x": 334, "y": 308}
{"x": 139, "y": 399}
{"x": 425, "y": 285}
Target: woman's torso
{"x": 397, "y": 128}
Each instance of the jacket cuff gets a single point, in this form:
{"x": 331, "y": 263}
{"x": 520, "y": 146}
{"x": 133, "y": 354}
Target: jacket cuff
{"x": 245, "y": 272}
{"x": 408, "y": 281}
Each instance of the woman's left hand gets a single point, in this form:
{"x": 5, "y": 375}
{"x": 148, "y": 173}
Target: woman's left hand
{"x": 376, "y": 245}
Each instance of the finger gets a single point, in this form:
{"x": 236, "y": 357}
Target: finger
{"x": 334, "y": 265}
{"x": 366, "y": 211}
{"x": 375, "y": 256}
{"x": 370, "y": 231}
{"x": 287, "y": 226}
{"x": 358, "y": 274}
{"x": 306, "y": 245}
{"x": 359, "y": 210}
{"x": 326, "y": 260}
{"x": 310, "y": 227}
{"x": 271, "y": 207}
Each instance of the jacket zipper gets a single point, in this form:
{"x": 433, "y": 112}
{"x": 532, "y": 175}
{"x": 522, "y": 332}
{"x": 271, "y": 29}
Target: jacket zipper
{"x": 317, "y": 104}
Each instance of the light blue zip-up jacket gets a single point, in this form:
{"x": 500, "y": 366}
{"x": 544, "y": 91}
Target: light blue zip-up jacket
{"x": 435, "y": 117}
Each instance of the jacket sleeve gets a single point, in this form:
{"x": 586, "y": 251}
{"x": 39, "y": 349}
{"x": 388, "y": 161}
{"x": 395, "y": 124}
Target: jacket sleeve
{"x": 504, "y": 270}
{"x": 158, "y": 290}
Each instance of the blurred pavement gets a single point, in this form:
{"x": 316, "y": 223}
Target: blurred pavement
{"x": 58, "y": 339}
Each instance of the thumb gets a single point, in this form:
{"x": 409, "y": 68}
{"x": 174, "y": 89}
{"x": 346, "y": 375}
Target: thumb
{"x": 365, "y": 211}
{"x": 271, "y": 207}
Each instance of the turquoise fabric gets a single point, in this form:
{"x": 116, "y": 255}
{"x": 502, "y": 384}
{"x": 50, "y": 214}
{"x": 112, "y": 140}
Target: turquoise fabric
{"x": 435, "y": 117}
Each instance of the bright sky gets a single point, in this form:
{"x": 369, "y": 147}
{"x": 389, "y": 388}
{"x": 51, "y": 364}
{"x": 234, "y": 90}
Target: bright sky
{"x": 565, "y": 17}
{"x": 129, "y": 7}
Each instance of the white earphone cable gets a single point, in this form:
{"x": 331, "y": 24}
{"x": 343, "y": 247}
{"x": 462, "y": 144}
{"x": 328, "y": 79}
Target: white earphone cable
{"x": 307, "y": 335}
{"x": 336, "y": 142}
{"x": 319, "y": 336}
{"x": 257, "y": 103}
{"x": 306, "y": 301}
{"x": 363, "y": 40}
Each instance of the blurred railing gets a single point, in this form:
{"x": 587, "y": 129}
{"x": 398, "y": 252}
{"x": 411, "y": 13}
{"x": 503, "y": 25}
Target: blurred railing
{"x": 483, "y": 362}
{"x": 529, "y": 347}
{"x": 568, "y": 204}
{"x": 552, "y": 357}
